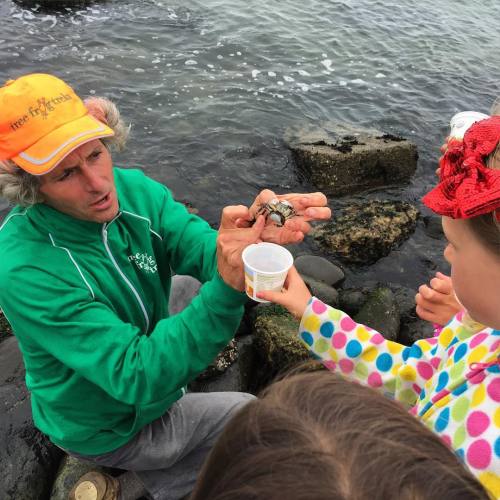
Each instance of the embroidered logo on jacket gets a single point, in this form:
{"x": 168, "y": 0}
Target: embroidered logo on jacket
{"x": 144, "y": 261}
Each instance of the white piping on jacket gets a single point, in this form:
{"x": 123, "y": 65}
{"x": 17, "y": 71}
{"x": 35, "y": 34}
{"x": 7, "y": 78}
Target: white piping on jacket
{"x": 143, "y": 218}
{"x": 134, "y": 291}
{"x": 10, "y": 217}
{"x": 76, "y": 265}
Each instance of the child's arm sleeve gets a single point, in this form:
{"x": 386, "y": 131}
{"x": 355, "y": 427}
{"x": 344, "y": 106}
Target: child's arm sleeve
{"x": 361, "y": 353}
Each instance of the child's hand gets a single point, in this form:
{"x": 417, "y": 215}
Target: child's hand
{"x": 294, "y": 296}
{"x": 443, "y": 149}
{"x": 437, "y": 303}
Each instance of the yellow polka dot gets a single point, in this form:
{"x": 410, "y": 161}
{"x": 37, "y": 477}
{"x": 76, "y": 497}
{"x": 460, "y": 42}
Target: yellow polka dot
{"x": 491, "y": 482}
{"x": 478, "y": 395}
{"x": 425, "y": 346}
{"x": 333, "y": 354}
{"x": 394, "y": 347}
{"x": 445, "y": 337}
{"x": 311, "y": 323}
{"x": 395, "y": 368}
{"x": 450, "y": 362}
{"x": 496, "y": 417}
{"x": 478, "y": 354}
{"x": 408, "y": 373}
{"x": 362, "y": 333}
{"x": 370, "y": 354}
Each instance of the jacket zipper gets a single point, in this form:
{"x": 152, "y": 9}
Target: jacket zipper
{"x": 134, "y": 291}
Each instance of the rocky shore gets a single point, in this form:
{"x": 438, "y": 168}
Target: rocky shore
{"x": 266, "y": 342}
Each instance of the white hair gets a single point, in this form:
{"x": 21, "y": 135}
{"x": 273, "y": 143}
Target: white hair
{"x": 22, "y": 188}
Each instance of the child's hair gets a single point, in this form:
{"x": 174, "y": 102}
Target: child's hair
{"x": 316, "y": 436}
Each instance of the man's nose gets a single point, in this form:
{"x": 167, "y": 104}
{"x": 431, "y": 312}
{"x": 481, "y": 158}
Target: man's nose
{"x": 93, "y": 180}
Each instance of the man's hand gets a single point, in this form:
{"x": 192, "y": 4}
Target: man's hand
{"x": 232, "y": 240}
{"x": 307, "y": 206}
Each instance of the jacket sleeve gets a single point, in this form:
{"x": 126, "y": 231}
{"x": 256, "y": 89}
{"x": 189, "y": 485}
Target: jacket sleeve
{"x": 189, "y": 241}
{"x": 53, "y": 313}
{"x": 363, "y": 354}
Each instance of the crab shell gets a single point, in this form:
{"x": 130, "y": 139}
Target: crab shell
{"x": 278, "y": 211}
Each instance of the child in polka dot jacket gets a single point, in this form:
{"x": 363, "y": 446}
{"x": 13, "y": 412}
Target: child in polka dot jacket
{"x": 450, "y": 382}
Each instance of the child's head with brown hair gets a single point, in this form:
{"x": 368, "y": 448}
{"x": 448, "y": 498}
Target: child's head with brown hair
{"x": 468, "y": 198}
{"x": 315, "y": 436}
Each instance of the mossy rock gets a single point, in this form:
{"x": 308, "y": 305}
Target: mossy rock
{"x": 277, "y": 345}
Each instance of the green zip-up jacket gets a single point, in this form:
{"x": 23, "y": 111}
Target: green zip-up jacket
{"x": 88, "y": 303}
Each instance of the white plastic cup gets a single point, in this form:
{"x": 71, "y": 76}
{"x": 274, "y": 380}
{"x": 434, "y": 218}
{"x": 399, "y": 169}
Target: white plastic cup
{"x": 266, "y": 267}
{"x": 462, "y": 121}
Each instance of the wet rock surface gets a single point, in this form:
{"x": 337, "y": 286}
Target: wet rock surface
{"x": 380, "y": 312}
{"x": 365, "y": 232}
{"x": 362, "y": 160}
{"x": 28, "y": 460}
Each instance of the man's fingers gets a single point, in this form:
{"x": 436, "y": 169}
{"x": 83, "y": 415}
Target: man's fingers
{"x": 232, "y": 213}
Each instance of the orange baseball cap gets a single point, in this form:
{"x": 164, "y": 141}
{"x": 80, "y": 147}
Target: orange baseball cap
{"x": 41, "y": 121}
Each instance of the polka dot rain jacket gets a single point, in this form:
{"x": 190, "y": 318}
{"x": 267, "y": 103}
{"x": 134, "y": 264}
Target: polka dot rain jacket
{"x": 450, "y": 382}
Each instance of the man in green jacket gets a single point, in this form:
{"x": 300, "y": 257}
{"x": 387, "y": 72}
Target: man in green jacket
{"x": 86, "y": 262}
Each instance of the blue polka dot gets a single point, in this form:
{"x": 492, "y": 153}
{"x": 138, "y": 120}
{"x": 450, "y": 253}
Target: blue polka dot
{"x": 453, "y": 342}
{"x": 307, "y": 338}
{"x": 405, "y": 353}
{"x": 353, "y": 348}
{"x": 459, "y": 390}
{"x": 434, "y": 350}
{"x": 442, "y": 420}
{"x": 460, "y": 454}
{"x": 415, "y": 352}
{"x": 495, "y": 332}
{"x": 460, "y": 352}
{"x": 384, "y": 362}
{"x": 442, "y": 381}
{"x": 497, "y": 447}
{"x": 327, "y": 329}
{"x": 494, "y": 368}
{"x": 422, "y": 395}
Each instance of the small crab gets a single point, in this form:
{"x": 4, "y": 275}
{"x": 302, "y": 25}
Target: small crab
{"x": 278, "y": 211}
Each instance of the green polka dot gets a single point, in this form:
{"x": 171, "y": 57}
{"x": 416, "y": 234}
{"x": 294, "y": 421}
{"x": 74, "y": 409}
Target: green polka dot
{"x": 334, "y": 314}
{"x": 457, "y": 369}
{"x": 460, "y": 409}
{"x": 459, "y": 437}
{"x": 390, "y": 385}
{"x": 361, "y": 369}
{"x": 321, "y": 345}
{"x": 463, "y": 333}
{"x": 407, "y": 396}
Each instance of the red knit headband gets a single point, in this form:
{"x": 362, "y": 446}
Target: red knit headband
{"x": 468, "y": 188}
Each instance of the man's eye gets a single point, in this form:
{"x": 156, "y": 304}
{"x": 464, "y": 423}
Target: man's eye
{"x": 95, "y": 155}
{"x": 65, "y": 175}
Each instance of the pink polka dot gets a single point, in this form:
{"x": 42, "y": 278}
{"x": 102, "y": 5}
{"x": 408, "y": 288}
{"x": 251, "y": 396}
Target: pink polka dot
{"x": 339, "y": 340}
{"x": 494, "y": 390}
{"x": 374, "y": 380}
{"x": 435, "y": 362}
{"x": 330, "y": 365}
{"x": 377, "y": 339}
{"x": 477, "y": 378}
{"x": 424, "y": 370}
{"x": 446, "y": 439}
{"x": 495, "y": 346}
{"x": 432, "y": 341}
{"x": 416, "y": 388}
{"x": 479, "y": 454}
{"x": 318, "y": 307}
{"x": 459, "y": 315}
{"x": 450, "y": 350}
{"x": 347, "y": 324}
{"x": 478, "y": 339}
{"x": 477, "y": 423}
{"x": 346, "y": 366}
